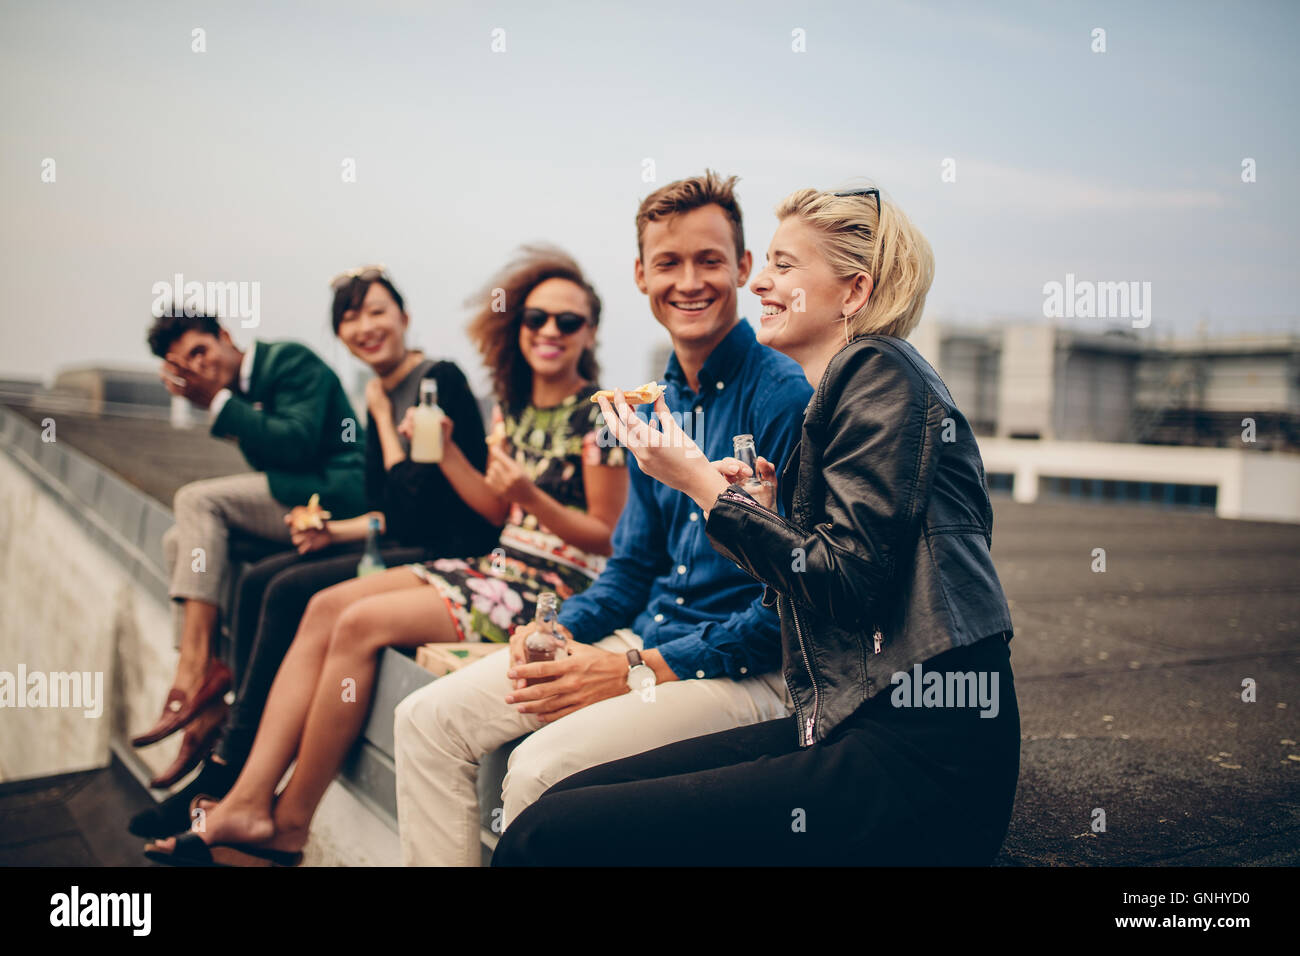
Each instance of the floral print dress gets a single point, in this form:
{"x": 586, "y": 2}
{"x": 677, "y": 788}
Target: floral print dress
{"x": 490, "y": 596}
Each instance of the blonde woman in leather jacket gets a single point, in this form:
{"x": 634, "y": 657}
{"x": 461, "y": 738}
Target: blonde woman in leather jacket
{"x": 904, "y": 745}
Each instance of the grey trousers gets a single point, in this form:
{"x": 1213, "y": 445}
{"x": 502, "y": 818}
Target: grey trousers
{"x": 195, "y": 547}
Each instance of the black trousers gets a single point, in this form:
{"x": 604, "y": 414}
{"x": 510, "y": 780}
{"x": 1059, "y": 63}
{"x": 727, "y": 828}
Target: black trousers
{"x": 273, "y": 595}
{"x": 891, "y": 786}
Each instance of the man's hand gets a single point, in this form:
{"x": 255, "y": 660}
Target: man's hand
{"x": 195, "y": 386}
{"x": 308, "y": 539}
{"x": 519, "y": 654}
{"x": 663, "y": 451}
{"x": 588, "y": 675}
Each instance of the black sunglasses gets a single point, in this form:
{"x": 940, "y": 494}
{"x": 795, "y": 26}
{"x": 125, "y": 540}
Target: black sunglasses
{"x": 566, "y": 322}
{"x": 864, "y": 192}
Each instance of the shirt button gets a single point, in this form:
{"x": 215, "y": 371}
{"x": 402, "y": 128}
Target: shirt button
{"x": 718, "y": 386}
{"x": 695, "y": 516}
{"x": 699, "y": 673}
{"x": 681, "y": 600}
{"x": 659, "y": 618}
{"x": 681, "y": 569}
{"x": 744, "y": 670}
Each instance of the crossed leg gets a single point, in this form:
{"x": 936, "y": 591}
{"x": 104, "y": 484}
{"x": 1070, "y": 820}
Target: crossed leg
{"x": 318, "y": 702}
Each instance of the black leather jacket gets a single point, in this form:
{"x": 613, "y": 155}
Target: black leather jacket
{"x": 884, "y": 560}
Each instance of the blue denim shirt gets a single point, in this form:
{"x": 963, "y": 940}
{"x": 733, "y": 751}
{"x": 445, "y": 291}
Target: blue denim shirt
{"x": 665, "y": 580}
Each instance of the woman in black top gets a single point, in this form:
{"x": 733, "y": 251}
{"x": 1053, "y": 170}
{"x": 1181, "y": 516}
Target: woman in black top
{"x": 421, "y": 518}
{"x": 904, "y": 744}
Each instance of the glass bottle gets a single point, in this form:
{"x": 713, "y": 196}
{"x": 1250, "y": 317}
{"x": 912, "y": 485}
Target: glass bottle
{"x": 546, "y": 643}
{"x": 372, "y": 560}
{"x": 426, "y": 441}
{"x": 760, "y": 488}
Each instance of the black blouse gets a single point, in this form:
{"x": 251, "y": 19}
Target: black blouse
{"x": 420, "y": 506}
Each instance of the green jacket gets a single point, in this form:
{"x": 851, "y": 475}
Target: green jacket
{"x": 297, "y": 425}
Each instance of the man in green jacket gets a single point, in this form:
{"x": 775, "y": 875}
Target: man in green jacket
{"x": 297, "y": 430}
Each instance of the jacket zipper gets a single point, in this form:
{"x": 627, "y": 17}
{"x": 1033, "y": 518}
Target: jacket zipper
{"x": 811, "y": 722}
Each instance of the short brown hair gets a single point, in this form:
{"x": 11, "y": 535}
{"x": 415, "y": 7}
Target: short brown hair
{"x": 687, "y": 194}
{"x": 495, "y": 326}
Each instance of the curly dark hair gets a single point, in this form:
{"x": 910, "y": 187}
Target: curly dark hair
{"x": 496, "y": 332}
{"x": 170, "y": 326}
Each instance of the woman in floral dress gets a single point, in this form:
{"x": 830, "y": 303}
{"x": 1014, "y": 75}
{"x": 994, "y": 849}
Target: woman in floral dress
{"x": 488, "y": 596}
{"x": 557, "y": 487}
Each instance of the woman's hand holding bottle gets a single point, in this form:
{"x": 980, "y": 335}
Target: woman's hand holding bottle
{"x": 738, "y": 473}
{"x": 406, "y": 427}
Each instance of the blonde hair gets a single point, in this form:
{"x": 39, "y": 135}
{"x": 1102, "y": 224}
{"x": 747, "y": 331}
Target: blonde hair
{"x": 890, "y": 249}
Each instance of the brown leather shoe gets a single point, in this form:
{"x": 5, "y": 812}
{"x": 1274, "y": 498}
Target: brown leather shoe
{"x": 179, "y": 711}
{"x": 193, "y": 750}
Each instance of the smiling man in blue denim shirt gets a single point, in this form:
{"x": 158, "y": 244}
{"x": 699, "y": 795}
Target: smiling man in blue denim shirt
{"x": 694, "y": 610}
{"x": 693, "y": 651}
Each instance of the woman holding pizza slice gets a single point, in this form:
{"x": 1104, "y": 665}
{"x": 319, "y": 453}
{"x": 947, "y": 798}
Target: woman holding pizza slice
{"x": 880, "y": 571}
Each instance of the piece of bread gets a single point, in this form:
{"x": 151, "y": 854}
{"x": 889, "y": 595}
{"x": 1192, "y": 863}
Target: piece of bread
{"x": 497, "y": 435}
{"x": 646, "y": 394}
{"x": 312, "y": 516}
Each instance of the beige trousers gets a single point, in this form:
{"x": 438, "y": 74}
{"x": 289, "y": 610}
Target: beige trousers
{"x": 444, "y": 729}
{"x": 195, "y": 547}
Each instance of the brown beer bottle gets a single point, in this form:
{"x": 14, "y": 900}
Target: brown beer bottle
{"x": 546, "y": 643}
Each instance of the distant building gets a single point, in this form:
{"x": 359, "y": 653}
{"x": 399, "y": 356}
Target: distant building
{"x": 1036, "y": 380}
{"x": 1069, "y": 413}
{"x": 106, "y": 390}
{"x": 18, "y": 391}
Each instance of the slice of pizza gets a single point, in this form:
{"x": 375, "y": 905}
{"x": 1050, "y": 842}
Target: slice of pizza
{"x": 312, "y": 516}
{"x": 646, "y": 394}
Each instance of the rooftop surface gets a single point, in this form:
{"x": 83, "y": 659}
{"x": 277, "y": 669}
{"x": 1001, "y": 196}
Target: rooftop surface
{"x": 1130, "y": 680}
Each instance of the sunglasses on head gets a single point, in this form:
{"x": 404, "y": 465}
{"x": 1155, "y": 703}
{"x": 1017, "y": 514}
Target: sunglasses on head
{"x": 364, "y": 273}
{"x": 566, "y": 322}
{"x": 873, "y": 192}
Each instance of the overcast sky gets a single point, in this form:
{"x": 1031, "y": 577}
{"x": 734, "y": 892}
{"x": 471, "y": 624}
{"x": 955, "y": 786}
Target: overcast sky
{"x": 226, "y": 164}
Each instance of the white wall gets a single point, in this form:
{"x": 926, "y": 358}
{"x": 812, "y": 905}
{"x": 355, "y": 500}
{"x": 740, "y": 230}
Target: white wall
{"x": 1258, "y": 485}
{"x": 64, "y": 606}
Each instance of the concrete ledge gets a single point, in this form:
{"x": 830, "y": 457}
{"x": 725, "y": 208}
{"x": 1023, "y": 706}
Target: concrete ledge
{"x": 123, "y": 520}
{"x": 127, "y": 525}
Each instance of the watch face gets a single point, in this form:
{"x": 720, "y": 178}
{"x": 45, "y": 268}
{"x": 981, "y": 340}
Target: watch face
{"x": 640, "y": 677}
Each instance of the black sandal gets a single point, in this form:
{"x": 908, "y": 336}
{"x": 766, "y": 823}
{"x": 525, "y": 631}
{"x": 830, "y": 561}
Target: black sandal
{"x": 190, "y": 850}
{"x": 173, "y": 814}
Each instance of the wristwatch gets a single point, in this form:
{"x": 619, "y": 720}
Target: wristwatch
{"x": 639, "y": 673}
